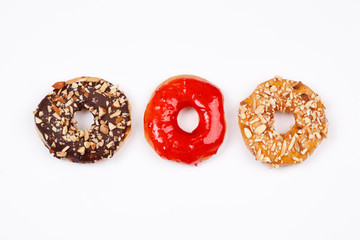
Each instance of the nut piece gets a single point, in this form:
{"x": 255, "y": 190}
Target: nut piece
{"x": 303, "y": 151}
{"x": 58, "y": 85}
{"x": 111, "y": 126}
{"x": 102, "y": 111}
{"x": 260, "y": 129}
{"x": 104, "y": 129}
{"x": 115, "y": 114}
{"x": 116, "y": 104}
{"x": 110, "y": 144}
{"x": 273, "y": 89}
{"x": 38, "y": 120}
{"x": 103, "y": 87}
{"x": 308, "y": 104}
{"x": 61, "y": 154}
{"x": 56, "y": 109}
{"x": 92, "y": 146}
{"x": 113, "y": 89}
{"x": 119, "y": 119}
{"x": 258, "y": 154}
{"x": 87, "y": 144}
{"x": 297, "y": 146}
{"x": 292, "y": 143}
{"x": 56, "y": 116}
{"x": 86, "y": 135}
{"x": 305, "y": 97}
{"x": 247, "y": 132}
{"x": 65, "y": 130}
{"x": 259, "y": 109}
{"x": 283, "y": 149}
{"x": 81, "y": 134}
{"x": 297, "y": 85}
{"x": 65, "y": 149}
{"x": 81, "y": 150}
{"x": 73, "y": 138}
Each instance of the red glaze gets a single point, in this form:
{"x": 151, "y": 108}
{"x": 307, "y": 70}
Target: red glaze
{"x": 160, "y": 120}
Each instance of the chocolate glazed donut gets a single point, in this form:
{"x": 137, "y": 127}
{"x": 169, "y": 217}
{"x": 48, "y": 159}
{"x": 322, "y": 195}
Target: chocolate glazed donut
{"x": 56, "y": 126}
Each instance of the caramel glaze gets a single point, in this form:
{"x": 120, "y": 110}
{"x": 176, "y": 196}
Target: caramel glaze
{"x": 256, "y": 121}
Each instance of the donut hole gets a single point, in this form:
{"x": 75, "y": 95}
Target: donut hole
{"x": 283, "y": 122}
{"x": 84, "y": 119}
{"x": 188, "y": 119}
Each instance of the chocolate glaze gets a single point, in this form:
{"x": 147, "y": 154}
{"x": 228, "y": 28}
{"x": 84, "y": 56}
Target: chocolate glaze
{"x": 54, "y": 120}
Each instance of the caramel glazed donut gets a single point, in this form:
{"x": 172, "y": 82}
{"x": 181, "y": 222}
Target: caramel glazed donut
{"x": 256, "y": 121}
{"x": 56, "y": 126}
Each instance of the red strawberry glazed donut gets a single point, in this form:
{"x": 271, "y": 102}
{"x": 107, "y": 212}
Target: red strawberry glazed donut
{"x": 160, "y": 120}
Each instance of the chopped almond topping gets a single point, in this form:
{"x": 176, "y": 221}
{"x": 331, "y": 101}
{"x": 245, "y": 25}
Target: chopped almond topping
{"x": 283, "y": 149}
{"x": 87, "y": 144}
{"x": 65, "y": 129}
{"x": 260, "y": 129}
{"x": 297, "y": 85}
{"x": 73, "y": 138}
{"x": 115, "y": 114}
{"x": 61, "y": 154}
{"x": 59, "y": 98}
{"x": 116, "y": 104}
{"x": 110, "y": 144}
{"x": 56, "y": 109}
{"x": 305, "y": 97}
{"x": 103, "y": 87}
{"x": 93, "y": 146}
{"x": 58, "y": 85}
{"x": 303, "y": 151}
{"x": 104, "y": 129}
{"x": 56, "y": 116}
{"x": 65, "y": 149}
{"x": 111, "y": 126}
{"x": 258, "y": 154}
{"x": 292, "y": 143}
{"x": 273, "y": 89}
{"x": 247, "y": 132}
{"x": 38, "y": 120}
{"x": 119, "y": 119}
{"x": 259, "y": 109}
{"x": 86, "y": 135}
{"x": 81, "y": 150}
{"x": 102, "y": 111}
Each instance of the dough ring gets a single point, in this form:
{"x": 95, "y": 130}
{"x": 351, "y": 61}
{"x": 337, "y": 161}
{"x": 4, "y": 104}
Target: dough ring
{"x": 256, "y": 121}
{"x": 56, "y": 126}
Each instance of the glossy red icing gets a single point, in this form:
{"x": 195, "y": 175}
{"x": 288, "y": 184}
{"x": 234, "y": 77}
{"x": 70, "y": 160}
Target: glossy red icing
{"x": 160, "y": 120}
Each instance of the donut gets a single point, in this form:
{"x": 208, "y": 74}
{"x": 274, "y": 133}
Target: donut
{"x": 56, "y": 126}
{"x": 256, "y": 122}
{"x": 160, "y": 119}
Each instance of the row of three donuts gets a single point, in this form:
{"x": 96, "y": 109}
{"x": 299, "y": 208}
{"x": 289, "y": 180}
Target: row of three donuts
{"x": 112, "y": 123}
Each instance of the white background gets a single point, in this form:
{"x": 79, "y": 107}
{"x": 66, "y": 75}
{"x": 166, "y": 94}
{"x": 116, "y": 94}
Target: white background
{"x": 138, "y": 44}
